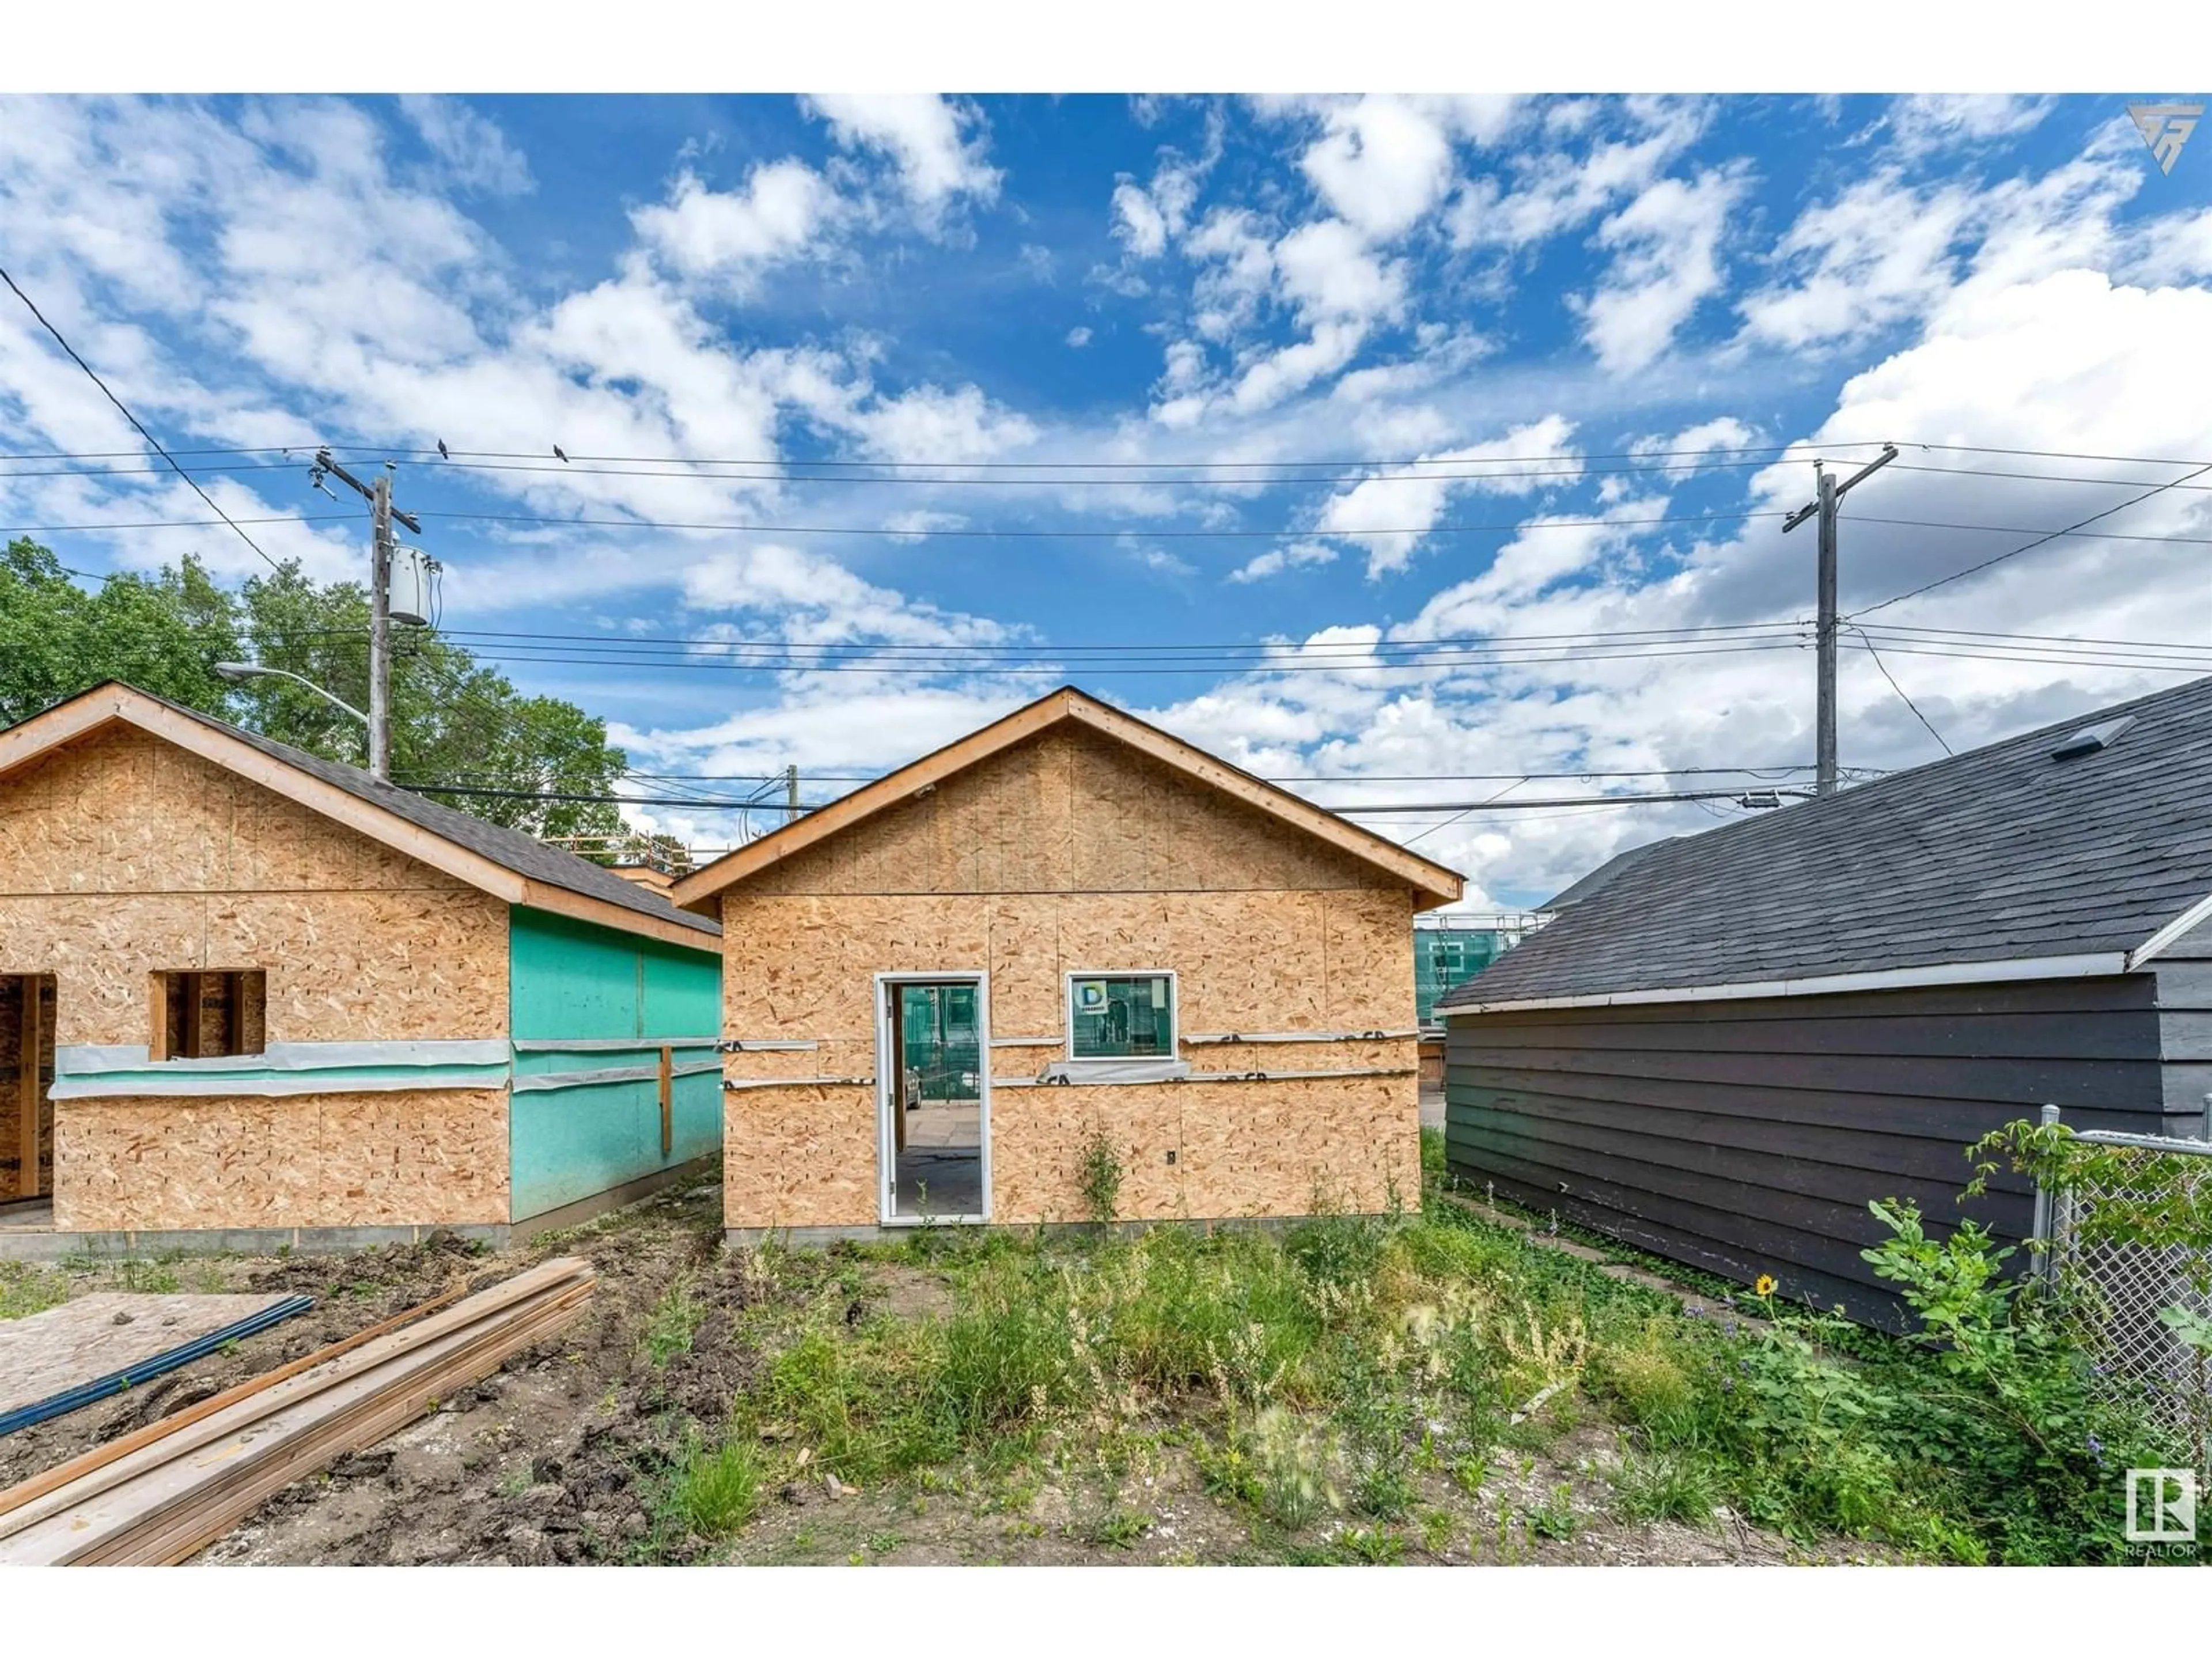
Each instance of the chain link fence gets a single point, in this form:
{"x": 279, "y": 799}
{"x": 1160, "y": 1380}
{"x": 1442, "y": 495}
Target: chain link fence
{"x": 2124, "y": 1290}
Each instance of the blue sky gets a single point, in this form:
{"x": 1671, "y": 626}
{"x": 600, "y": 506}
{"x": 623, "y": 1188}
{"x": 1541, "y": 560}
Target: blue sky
{"x": 1517, "y": 331}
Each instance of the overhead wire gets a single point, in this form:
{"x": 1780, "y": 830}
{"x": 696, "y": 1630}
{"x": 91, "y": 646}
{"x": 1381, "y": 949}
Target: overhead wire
{"x": 138, "y": 425}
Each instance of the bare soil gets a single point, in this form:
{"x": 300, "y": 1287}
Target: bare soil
{"x": 555, "y": 1458}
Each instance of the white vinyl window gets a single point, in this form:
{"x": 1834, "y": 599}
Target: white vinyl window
{"x": 1122, "y": 1016}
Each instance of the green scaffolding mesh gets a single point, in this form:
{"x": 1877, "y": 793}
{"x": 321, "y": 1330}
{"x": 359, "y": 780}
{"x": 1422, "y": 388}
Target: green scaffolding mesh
{"x": 1446, "y": 956}
{"x": 941, "y": 1040}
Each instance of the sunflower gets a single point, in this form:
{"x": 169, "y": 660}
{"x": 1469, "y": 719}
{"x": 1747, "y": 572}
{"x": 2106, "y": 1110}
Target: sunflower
{"x": 1763, "y": 1285}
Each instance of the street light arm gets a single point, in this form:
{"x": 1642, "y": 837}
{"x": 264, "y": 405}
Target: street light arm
{"x": 249, "y": 670}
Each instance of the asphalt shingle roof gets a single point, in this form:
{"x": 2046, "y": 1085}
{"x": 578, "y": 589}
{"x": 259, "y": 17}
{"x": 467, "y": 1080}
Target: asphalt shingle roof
{"x": 509, "y": 849}
{"x": 1997, "y": 854}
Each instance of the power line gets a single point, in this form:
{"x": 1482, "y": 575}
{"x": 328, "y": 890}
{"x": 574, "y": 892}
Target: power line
{"x": 459, "y": 456}
{"x": 133, "y": 419}
{"x": 2029, "y": 547}
{"x": 1492, "y": 804}
{"x": 1900, "y": 690}
{"x": 308, "y": 446}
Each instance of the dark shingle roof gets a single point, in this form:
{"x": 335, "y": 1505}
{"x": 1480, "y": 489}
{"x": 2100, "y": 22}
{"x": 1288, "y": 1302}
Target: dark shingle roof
{"x": 1998, "y": 855}
{"x": 509, "y": 848}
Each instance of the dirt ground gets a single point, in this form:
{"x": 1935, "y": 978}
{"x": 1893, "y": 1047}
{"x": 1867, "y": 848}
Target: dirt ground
{"x": 554, "y": 1459}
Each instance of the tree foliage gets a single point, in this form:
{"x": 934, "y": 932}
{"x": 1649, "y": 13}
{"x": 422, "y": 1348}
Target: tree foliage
{"x": 454, "y": 721}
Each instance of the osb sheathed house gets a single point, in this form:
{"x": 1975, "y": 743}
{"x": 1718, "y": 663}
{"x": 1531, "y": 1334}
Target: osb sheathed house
{"x": 249, "y": 996}
{"x": 1074, "y": 943}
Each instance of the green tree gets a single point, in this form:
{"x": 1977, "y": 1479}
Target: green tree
{"x": 163, "y": 633}
{"x": 454, "y": 721}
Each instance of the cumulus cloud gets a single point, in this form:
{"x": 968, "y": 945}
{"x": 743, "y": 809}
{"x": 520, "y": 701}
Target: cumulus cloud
{"x": 778, "y": 213}
{"x": 1666, "y": 261}
{"x": 940, "y": 146}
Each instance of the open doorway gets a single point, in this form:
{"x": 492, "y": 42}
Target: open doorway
{"x": 935, "y": 1097}
{"x": 26, "y": 1115}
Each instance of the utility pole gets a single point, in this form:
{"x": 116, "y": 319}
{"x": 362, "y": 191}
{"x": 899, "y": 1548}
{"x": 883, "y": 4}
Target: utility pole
{"x": 790, "y": 793}
{"x": 381, "y": 513}
{"x": 1825, "y": 504}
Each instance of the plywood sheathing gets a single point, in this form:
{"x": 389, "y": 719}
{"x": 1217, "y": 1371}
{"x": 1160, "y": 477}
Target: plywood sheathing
{"x": 1271, "y": 1149}
{"x": 121, "y": 855}
{"x": 1072, "y": 854}
{"x": 789, "y": 1156}
{"x": 1071, "y": 812}
{"x": 406, "y": 1157}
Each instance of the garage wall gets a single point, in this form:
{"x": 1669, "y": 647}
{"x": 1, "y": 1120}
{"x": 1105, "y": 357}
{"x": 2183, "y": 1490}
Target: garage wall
{"x": 1073, "y": 853}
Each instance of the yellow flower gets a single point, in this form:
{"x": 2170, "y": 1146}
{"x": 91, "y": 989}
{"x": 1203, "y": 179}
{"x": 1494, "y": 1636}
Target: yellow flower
{"x": 1763, "y": 1285}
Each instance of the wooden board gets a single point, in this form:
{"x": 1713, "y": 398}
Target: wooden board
{"x": 401, "y": 1158}
{"x": 103, "y": 1331}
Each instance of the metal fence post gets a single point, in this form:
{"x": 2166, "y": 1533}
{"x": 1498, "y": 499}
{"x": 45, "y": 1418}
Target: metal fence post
{"x": 2046, "y": 1255}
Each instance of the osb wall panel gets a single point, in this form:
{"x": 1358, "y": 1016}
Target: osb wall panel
{"x": 123, "y": 811}
{"x": 403, "y": 1159}
{"x": 1068, "y": 813}
{"x": 799, "y": 1156}
{"x": 1242, "y": 1149}
{"x": 121, "y": 856}
{"x": 803, "y": 966}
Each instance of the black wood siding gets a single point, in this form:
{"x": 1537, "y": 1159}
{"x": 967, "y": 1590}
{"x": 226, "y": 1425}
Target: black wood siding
{"x": 1748, "y": 1137}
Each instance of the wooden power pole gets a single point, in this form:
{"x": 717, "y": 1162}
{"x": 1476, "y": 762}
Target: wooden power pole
{"x": 1826, "y": 505}
{"x": 381, "y": 513}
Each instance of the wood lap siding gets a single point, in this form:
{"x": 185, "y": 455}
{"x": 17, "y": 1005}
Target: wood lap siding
{"x": 1748, "y": 1137}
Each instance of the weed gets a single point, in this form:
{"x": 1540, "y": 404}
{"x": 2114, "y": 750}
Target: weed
{"x": 717, "y": 1489}
{"x": 1098, "y": 1178}
{"x": 1664, "y": 1487}
{"x": 1554, "y": 1518}
{"x": 675, "y": 1321}
{"x": 1120, "y": 1528}
{"x": 1377, "y": 1546}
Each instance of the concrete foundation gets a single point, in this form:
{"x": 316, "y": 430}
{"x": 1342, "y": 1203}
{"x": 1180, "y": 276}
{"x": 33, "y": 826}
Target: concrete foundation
{"x": 22, "y": 1240}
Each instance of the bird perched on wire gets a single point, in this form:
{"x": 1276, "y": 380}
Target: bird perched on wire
{"x": 444, "y": 454}
{"x": 559, "y": 454}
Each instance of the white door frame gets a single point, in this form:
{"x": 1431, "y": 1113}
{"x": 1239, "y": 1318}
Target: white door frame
{"x": 890, "y": 1078}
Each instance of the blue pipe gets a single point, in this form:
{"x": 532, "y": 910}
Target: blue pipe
{"x": 115, "y": 1381}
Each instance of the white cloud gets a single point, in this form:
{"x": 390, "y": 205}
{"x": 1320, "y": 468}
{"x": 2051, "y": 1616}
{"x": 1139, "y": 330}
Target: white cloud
{"x": 813, "y": 599}
{"x": 1929, "y": 121}
{"x": 1275, "y": 561}
{"x": 778, "y": 213}
{"x": 1719, "y": 435}
{"x": 1665, "y": 246}
{"x": 1389, "y": 515}
{"x": 1877, "y": 254}
{"x": 1380, "y": 163}
{"x": 938, "y": 146}
{"x": 1554, "y": 192}
{"x": 1079, "y": 336}
{"x": 1142, "y": 227}
{"x": 473, "y": 151}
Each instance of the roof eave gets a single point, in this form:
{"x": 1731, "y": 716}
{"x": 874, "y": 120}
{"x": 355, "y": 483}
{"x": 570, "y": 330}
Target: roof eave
{"x": 1431, "y": 885}
{"x": 2088, "y": 965}
{"x": 114, "y": 703}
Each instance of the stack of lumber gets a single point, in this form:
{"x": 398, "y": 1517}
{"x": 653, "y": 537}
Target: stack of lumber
{"x": 161, "y": 1495}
